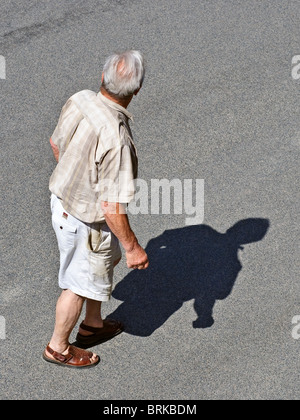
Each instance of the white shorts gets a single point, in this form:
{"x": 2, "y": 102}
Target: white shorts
{"x": 88, "y": 252}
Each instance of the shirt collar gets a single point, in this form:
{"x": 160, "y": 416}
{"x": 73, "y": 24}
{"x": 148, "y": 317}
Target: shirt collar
{"x": 114, "y": 105}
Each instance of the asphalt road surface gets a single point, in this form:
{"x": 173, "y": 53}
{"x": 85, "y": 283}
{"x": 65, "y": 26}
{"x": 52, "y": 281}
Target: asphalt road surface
{"x": 217, "y": 314}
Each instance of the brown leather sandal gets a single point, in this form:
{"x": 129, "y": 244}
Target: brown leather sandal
{"x": 110, "y": 329}
{"x": 75, "y": 358}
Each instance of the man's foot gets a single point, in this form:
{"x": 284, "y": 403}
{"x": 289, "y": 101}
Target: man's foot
{"x": 71, "y": 357}
{"x": 91, "y": 336}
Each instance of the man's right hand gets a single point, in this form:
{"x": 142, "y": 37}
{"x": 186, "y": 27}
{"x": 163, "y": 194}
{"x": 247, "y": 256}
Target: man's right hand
{"x": 137, "y": 258}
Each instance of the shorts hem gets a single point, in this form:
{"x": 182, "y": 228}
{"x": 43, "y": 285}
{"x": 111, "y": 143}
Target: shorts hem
{"x": 89, "y": 295}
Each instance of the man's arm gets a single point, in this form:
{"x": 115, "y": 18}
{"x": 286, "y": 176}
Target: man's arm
{"x": 55, "y": 150}
{"x": 117, "y": 220}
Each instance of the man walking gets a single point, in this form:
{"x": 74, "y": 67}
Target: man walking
{"x": 91, "y": 186}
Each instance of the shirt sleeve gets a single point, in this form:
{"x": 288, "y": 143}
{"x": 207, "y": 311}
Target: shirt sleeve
{"x": 117, "y": 174}
{"x": 68, "y": 122}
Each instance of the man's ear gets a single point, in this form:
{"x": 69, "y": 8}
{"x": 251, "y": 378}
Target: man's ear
{"x": 102, "y": 77}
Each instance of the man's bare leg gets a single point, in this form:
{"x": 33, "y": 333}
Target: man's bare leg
{"x": 68, "y": 310}
{"x": 93, "y": 316}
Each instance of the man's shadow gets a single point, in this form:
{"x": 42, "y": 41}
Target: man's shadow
{"x": 194, "y": 262}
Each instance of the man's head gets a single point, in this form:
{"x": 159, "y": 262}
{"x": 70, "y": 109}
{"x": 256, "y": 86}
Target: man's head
{"x": 123, "y": 74}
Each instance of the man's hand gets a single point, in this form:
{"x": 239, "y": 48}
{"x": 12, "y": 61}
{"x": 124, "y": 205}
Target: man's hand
{"x": 137, "y": 258}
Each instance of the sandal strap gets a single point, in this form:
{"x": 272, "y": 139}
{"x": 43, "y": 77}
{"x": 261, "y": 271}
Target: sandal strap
{"x": 90, "y": 329}
{"x": 106, "y": 324}
{"x": 75, "y": 356}
{"x": 63, "y": 358}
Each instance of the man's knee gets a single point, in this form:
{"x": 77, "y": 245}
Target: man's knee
{"x": 69, "y": 294}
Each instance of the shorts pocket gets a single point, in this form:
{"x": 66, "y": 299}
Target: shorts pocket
{"x": 65, "y": 232}
{"x": 95, "y": 237}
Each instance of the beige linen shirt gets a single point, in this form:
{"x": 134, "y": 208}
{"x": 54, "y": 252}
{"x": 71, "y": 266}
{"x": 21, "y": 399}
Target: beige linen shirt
{"x": 97, "y": 157}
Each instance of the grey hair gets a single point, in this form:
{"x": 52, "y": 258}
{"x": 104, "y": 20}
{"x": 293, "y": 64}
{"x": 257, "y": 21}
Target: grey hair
{"x": 123, "y": 74}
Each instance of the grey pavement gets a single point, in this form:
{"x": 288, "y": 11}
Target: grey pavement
{"x": 208, "y": 320}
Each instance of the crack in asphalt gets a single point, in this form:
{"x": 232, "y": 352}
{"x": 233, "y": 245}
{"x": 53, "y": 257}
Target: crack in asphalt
{"x": 26, "y": 33}
{"x": 23, "y": 34}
